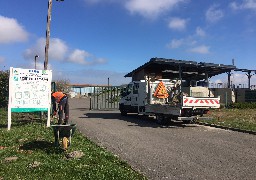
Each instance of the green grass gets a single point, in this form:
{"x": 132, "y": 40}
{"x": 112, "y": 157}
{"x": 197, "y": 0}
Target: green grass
{"x": 31, "y": 141}
{"x": 244, "y": 119}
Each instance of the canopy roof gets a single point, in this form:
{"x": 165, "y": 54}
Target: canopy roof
{"x": 246, "y": 70}
{"x": 191, "y": 70}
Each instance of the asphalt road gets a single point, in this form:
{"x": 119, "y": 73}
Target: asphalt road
{"x": 170, "y": 152}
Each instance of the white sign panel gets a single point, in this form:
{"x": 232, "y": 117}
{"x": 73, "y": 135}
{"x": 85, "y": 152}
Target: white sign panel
{"x": 29, "y": 90}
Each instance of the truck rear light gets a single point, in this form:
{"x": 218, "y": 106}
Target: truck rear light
{"x": 182, "y": 112}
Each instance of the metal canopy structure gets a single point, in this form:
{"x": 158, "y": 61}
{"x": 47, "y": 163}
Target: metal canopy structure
{"x": 191, "y": 70}
{"x": 248, "y": 74}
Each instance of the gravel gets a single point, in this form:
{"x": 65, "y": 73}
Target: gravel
{"x": 168, "y": 152}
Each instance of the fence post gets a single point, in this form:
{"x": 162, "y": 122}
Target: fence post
{"x": 226, "y": 94}
{"x": 90, "y": 102}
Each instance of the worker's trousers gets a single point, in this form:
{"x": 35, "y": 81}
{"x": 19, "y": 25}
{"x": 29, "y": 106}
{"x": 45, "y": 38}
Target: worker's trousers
{"x": 63, "y": 109}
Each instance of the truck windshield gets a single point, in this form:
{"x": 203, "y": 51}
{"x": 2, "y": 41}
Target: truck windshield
{"x": 135, "y": 88}
{"x": 129, "y": 89}
{"x": 126, "y": 90}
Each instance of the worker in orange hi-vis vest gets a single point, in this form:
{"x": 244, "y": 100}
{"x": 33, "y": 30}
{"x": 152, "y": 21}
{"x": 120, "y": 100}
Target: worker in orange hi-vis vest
{"x": 63, "y": 106}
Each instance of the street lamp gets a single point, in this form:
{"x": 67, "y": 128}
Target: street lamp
{"x": 36, "y": 56}
{"x": 48, "y": 32}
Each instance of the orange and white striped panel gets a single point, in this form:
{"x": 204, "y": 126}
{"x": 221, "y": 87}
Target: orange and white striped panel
{"x": 190, "y": 101}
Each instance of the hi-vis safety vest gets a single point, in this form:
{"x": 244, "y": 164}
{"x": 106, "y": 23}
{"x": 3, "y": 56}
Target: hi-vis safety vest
{"x": 58, "y": 96}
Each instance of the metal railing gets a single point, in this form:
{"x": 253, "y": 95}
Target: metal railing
{"x": 105, "y": 97}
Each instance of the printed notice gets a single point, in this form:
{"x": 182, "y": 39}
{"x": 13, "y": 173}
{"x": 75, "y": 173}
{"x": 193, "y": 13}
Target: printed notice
{"x": 30, "y": 89}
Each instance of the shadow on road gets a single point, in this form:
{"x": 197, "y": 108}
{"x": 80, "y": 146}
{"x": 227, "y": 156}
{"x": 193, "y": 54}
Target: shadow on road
{"x": 80, "y": 109}
{"x": 136, "y": 120}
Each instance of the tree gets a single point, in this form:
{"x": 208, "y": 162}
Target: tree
{"x": 63, "y": 85}
{"x": 4, "y": 88}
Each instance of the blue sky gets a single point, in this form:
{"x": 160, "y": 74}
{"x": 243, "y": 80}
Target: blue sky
{"x": 92, "y": 40}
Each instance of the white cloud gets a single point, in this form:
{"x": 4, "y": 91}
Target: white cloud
{"x": 11, "y": 31}
{"x": 151, "y": 8}
{"x": 200, "y": 49}
{"x": 200, "y": 32}
{"x": 183, "y": 42}
{"x": 213, "y": 14}
{"x": 177, "y": 24}
{"x": 246, "y": 4}
{"x": 146, "y": 8}
{"x": 39, "y": 64}
{"x": 57, "y": 49}
{"x": 237, "y": 79}
{"x": 234, "y": 6}
{"x": 85, "y": 58}
{"x": 175, "y": 43}
{"x": 78, "y": 56}
{"x": 219, "y": 81}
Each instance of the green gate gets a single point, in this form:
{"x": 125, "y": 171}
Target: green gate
{"x": 105, "y": 97}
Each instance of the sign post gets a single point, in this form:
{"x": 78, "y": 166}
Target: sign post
{"x": 29, "y": 91}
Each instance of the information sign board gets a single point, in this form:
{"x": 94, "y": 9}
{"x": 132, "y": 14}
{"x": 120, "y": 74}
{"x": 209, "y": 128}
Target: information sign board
{"x": 29, "y": 90}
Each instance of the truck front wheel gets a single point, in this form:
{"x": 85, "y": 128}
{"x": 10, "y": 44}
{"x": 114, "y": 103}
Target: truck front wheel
{"x": 160, "y": 119}
{"x": 123, "y": 112}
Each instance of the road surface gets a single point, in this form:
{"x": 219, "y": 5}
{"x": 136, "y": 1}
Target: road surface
{"x": 169, "y": 152}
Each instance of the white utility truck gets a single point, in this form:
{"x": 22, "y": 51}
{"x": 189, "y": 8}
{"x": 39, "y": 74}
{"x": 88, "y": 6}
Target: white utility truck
{"x": 167, "y": 100}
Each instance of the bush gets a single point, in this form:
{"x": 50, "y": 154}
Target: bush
{"x": 4, "y": 88}
{"x": 243, "y": 105}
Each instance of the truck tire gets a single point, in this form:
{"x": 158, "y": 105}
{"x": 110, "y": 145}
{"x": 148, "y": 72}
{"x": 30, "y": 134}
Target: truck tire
{"x": 123, "y": 112}
{"x": 160, "y": 119}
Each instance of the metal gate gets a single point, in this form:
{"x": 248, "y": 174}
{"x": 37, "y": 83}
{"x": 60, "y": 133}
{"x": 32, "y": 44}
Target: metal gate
{"x": 105, "y": 97}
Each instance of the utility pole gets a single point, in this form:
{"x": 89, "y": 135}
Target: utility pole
{"x": 49, "y": 17}
{"x": 48, "y": 33}
{"x": 47, "y": 44}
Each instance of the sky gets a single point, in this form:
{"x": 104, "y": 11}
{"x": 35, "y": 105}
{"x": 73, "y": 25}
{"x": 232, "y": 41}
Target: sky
{"x": 93, "y": 40}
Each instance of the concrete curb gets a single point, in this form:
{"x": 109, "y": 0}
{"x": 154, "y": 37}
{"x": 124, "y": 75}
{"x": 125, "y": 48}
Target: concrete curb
{"x": 228, "y": 128}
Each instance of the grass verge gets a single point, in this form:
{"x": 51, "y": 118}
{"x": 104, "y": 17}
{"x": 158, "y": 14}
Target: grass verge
{"x": 27, "y": 151}
{"x": 244, "y": 119}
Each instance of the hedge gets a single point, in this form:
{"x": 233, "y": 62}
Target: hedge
{"x": 4, "y": 88}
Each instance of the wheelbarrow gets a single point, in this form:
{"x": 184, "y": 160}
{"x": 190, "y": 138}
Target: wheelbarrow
{"x": 63, "y": 133}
